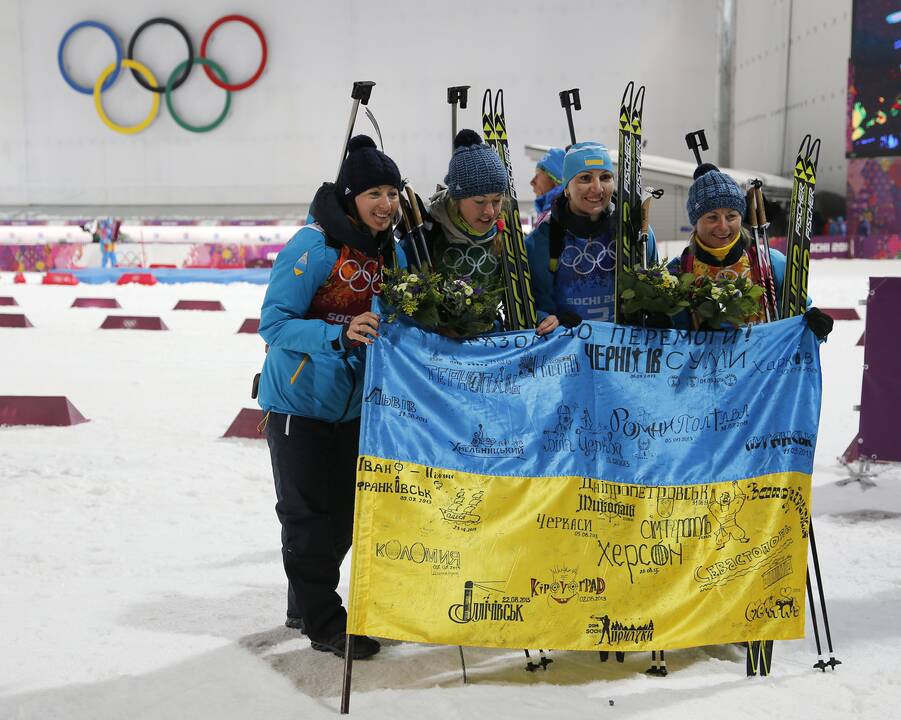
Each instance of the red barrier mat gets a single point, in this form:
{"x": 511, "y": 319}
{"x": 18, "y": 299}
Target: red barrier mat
{"x": 8, "y": 301}
{"x": 139, "y": 278}
{"x": 841, "y": 313}
{"x": 96, "y": 303}
{"x": 198, "y": 305}
{"x": 863, "y": 338}
{"x": 132, "y": 322}
{"x": 245, "y": 425}
{"x": 38, "y": 410}
{"x": 14, "y": 320}
{"x": 59, "y": 278}
{"x": 250, "y": 325}
{"x": 852, "y": 452}
{"x": 19, "y": 278}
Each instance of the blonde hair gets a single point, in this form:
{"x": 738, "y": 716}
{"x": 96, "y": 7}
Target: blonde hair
{"x": 453, "y": 207}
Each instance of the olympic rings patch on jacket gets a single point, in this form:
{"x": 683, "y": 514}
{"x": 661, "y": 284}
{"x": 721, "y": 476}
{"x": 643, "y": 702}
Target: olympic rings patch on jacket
{"x": 148, "y": 81}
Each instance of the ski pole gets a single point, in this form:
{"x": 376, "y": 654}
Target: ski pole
{"x": 457, "y": 95}
{"x": 360, "y": 93}
{"x": 418, "y": 231}
{"x": 696, "y": 142}
{"x": 375, "y": 126}
{"x": 569, "y": 101}
{"x": 755, "y": 254}
{"x": 820, "y": 663}
{"x": 649, "y": 194}
{"x": 816, "y": 567}
{"x": 763, "y": 250}
{"x": 408, "y": 227}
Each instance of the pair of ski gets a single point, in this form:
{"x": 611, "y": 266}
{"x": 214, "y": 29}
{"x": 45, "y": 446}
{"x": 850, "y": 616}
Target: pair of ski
{"x": 800, "y": 222}
{"x": 519, "y": 300}
{"x": 633, "y": 206}
{"x": 793, "y": 302}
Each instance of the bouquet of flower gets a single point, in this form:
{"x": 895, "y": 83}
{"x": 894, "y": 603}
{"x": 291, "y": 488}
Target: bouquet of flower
{"x": 457, "y": 307}
{"x": 715, "y": 303}
{"x": 652, "y": 296}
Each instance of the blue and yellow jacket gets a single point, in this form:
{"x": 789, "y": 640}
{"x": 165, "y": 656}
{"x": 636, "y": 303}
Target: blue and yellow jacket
{"x": 324, "y": 276}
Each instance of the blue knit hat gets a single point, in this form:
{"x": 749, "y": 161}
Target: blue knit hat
{"x": 713, "y": 189}
{"x": 552, "y": 164}
{"x": 585, "y": 156}
{"x": 475, "y": 168}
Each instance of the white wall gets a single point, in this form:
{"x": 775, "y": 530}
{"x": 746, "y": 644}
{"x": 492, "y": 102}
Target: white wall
{"x": 283, "y": 135}
{"x": 818, "y": 49}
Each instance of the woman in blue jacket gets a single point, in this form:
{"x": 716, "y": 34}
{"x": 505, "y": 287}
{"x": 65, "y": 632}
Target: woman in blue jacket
{"x": 316, "y": 321}
{"x": 572, "y": 253}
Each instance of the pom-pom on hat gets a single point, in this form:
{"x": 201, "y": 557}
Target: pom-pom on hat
{"x": 364, "y": 167}
{"x": 585, "y": 156}
{"x": 713, "y": 189}
{"x": 474, "y": 168}
{"x": 552, "y": 164}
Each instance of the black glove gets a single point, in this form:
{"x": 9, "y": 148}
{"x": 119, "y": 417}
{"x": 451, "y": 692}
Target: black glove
{"x": 569, "y": 319}
{"x": 819, "y": 322}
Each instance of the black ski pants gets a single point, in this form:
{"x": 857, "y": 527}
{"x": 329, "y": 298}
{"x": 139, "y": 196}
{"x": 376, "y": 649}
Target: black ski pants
{"x": 314, "y": 467}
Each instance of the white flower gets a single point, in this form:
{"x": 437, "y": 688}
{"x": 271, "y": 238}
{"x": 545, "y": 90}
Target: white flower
{"x": 412, "y": 278}
{"x": 408, "y": 295}
{"x": 402, "y": 287}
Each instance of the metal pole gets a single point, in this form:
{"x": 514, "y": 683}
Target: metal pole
{"x": 569, "y": 101}
{"x": 360, "y": 93}
{"x": 456, "y": 95}
{"x": 348, "y": 670}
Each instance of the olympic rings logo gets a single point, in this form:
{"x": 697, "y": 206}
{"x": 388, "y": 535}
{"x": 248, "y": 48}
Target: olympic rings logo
{"x": 595, "y": 255}
{"x": 146, "y": 78}
{"x": 473, "y": 261}
{"x": 363, "y": 278}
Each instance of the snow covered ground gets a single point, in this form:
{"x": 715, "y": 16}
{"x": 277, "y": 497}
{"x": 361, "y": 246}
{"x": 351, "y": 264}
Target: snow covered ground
{"x": 140, "y": 572}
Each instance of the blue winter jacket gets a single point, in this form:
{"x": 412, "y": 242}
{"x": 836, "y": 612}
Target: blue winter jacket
{"x": 308, "y": 371}
{"x": 584, "y": 280}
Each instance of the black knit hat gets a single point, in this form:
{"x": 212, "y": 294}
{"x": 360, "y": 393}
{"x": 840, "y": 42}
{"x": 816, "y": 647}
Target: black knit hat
{"x": 364, "y": 167}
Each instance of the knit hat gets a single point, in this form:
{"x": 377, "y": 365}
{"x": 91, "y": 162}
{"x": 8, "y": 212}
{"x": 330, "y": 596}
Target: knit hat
{"x": 474, "y": 169}
{"x": 713, "y": 189}
{"x": 585, "y": 156}
{"x": 364, "y": 167}
{"x": 552, "y": 164}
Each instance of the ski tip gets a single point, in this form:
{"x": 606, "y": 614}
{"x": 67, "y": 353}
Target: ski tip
{"x": 814, "y": 152}
{"x": 638, "y": 101}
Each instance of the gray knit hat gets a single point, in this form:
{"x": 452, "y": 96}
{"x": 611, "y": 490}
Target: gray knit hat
{"x": 713, "y": 189}
{"x": 474, "y": 169}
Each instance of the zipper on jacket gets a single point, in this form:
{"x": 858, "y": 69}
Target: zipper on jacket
{"x": 299, "y": 368}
